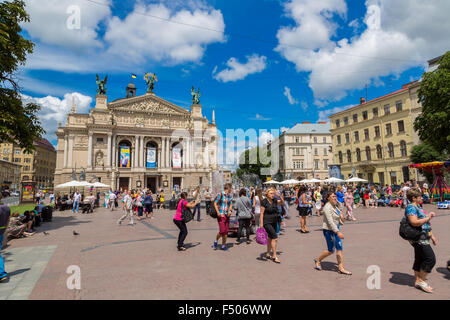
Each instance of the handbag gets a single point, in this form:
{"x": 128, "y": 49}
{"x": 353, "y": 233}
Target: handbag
{"x": 186, "y": 214}
{"x": 261, "y": 236}
{"x": 409, "y": 232}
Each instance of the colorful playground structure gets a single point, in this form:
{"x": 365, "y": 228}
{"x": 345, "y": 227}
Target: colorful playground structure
{"x": 440, "y": 191}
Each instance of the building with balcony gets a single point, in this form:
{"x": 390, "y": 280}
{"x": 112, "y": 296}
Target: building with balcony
{"x": 373, "y": 140}
{"x": 37, "y": 166}
{"x": 305, "y": 151}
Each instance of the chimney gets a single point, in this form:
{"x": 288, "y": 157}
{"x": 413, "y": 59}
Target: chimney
{"x": 305, "y": 122}
{"x": 362, "y": 100}
{"x": 321, "y": 122}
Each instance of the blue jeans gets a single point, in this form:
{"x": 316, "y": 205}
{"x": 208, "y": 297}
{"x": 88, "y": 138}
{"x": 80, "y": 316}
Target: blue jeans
{"x": 197, "y": 208}
{"x": 2, "y": 263}
{"x": 76, "y": 205}
{"x": 333, "y": 241}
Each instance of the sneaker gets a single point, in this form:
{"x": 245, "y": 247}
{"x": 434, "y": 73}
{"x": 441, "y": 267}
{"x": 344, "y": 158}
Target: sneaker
{"x": 131, "y": 223}
{"x": 4, "y": 279}
{"x": 215, "y": 245}
{"x": 224, "y": 248}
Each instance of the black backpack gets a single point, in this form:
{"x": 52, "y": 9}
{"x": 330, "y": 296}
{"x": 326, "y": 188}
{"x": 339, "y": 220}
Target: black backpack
{"x": 186, "y": 214}
{"x": 211, "y": 210}
{"x": 408, "y": 232}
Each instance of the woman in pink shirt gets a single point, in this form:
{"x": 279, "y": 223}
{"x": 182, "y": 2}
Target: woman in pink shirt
{"x": 348, "y": 198}
{"x": 178, "y": 220}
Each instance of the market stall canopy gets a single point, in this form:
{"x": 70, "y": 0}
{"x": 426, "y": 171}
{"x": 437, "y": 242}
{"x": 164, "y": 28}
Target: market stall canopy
{"x": 291, "y": 181}
{"x": 74, "y": 183}
{"x": 100, "y": 185}
{"x": 333, "y": 180}
{"x": 356, "y": 179}
{"x": 271, "y": 182}
{"x": 314, "y": 180}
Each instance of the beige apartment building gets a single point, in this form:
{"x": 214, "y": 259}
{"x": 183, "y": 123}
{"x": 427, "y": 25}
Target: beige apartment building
{"x": 138, "y": 142}
{"x": 9, "y": 175}
{"x": 305, "y": 151}
{"x": 373, "y": 140}
{"x": 38, "y": 166}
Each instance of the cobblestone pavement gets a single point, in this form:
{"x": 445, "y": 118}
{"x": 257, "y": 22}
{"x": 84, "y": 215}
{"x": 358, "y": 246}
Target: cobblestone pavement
{"x": 141, "y": 261}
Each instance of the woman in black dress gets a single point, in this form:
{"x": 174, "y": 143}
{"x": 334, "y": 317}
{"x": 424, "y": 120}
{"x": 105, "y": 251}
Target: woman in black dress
{"x": 269, "y": 219}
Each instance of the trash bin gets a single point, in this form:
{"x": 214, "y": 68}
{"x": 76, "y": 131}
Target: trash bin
{"x": 173, "y": 204}
{"x": 47, "y": 214}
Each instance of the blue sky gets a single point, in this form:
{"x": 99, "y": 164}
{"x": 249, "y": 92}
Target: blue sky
{"x": 267, "y": 64}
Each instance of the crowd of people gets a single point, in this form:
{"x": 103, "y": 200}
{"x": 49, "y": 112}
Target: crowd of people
{"x": 267, "y": 209}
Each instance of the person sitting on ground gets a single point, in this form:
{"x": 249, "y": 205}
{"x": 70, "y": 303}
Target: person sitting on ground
{"x": 28, "y": 220}
{"x": 37, "y": 217}
{"x": 16, "y": 228}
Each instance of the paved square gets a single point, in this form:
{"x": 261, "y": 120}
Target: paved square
{"x": 141, "y": 262}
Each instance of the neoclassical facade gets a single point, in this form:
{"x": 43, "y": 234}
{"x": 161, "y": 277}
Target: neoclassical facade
{"x": 138, "y": 142}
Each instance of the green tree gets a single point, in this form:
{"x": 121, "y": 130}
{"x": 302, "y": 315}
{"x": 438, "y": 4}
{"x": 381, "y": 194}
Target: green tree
{"x": 424, "y": 152}
{"x": 253, "y": 166}
{"x": 18, "y": 122}
{"x": 433, "y": 124}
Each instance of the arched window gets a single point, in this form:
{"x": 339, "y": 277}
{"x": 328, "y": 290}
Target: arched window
{"x": 358, "y": 154}
{"x": 368, "y": 155}
{"x": 151, "y": 155}
{"x": 349, "y": 156}
{"x": 177, "y": 155}
{"x": 391, "y": 149}
{"x": 340, "y": 156}
{"x": 124, "y": 156}
{"x": 379, "y": 152}
{"x": 403, "y": 150}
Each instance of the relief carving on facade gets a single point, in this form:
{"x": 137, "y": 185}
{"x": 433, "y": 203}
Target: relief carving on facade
{"x": 99, "y": 162}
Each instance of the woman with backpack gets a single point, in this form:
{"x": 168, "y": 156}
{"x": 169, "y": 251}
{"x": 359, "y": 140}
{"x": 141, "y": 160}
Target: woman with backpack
{"x": 148, "y": 204}
{"x": 243, "y": 208}
{"x": 178, "y": 220}
{"x": 424, "y": 258}
{"x": 303, "y": 205}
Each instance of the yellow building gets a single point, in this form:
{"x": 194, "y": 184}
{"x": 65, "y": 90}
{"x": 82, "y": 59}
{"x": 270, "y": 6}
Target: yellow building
{"x": 9, "y": 176}
{"x": 38, "y": 166}
{"x": 373, "y": 140}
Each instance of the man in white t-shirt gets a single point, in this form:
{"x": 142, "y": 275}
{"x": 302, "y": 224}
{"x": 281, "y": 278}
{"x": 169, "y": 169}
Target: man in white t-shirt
{"x": 405, "y": 188}
{"x": 76, "y": 201}
{"x": 128, "y": 208}
{"x": 111, "y": 200}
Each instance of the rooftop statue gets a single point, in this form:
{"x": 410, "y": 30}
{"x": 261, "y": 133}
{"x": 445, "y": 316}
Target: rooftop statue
{"x": 150, "y": 80}
{"x": 195, "y": 95}
{"x": 101, "y": 85}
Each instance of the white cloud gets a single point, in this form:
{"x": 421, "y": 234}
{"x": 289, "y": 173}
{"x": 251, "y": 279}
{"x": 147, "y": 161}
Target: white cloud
{"x": 54, "y": 110}
{"x": 323, "y": 114}
{"x": 260, "y": 118}
{"x": 304, "y": 105}
{"x": 140, "y": 37}
{"x": 288, "y": 95}
{"x": 265, "y": 137}
{"x": 396, "y": 34}
{"x": 169, "y": 33}
{"x": 238, "y": 71}
{"x": 54, "y": 22}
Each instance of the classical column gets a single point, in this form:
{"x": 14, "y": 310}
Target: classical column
{"x": 136, "y": 145}
{"x": 142, "y": 152}
{"x": 160, "y": 153}
{"x": 69, "y": 164}
{"x": 90, "y": 150}
{"x": 206, "y": 156}
{"x": 113, "y": 155}
{"x": 167, "y": 152}
{"x": 66, "y": 149}
{"x": 108, "y": 156}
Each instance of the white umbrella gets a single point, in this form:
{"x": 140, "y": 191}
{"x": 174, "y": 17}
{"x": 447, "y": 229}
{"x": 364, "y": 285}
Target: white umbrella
{"x": 271, "y": 182}
{"x": 84, "y": 184}
{"x": 356, "y": 179}
{"x": 305, "y": 181}
{"x": 314, "y": 180}
{"x": 100, "y": 185}
{"x": 291, "y": 181}
{"x": 69, "y": 184}
{"x": 333, "y": 180}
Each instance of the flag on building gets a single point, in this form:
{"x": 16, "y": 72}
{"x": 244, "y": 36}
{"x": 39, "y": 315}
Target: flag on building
{"x": 133, "y": 76}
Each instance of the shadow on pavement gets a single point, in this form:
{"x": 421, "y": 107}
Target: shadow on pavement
{"x": 262, "y": 256}
{"x": 329, "y": 266}
{"x": 445, "y": 272}
{"x": 403, "y": 279}
{"x": 59, "y": 222}
{"x": 192, "y": 245}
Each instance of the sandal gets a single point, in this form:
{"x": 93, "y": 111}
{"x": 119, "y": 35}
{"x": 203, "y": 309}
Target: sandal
{"x": 317, "y": 265}
{"x": 276, "y": 260}
{"x": 425, "y": 287}
{"x": 181, "y": 249}
{"x": 268, "y": 257}
{"x": 348, "y": 273}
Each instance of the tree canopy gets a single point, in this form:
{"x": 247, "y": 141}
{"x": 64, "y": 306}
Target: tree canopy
{"x": 250, "y": 162}
{"x": 18, "y": 122}
{"x": 433, "y": 124}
